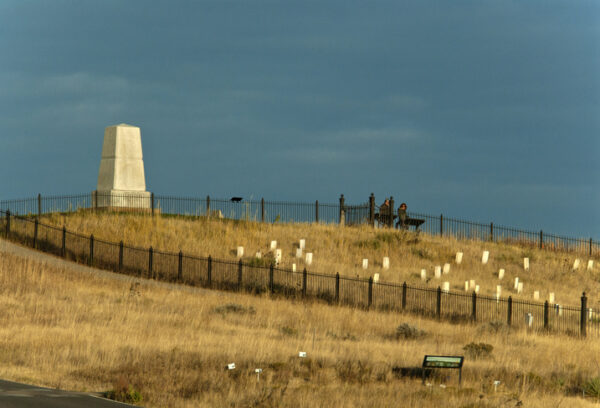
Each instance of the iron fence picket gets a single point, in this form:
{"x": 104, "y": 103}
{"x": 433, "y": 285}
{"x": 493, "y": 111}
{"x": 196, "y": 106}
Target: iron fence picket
{"x": 106, "y": 255}
{"x": 165, "y": 265}
{"x": 135, "y": 261}
{"x": 194, "y": 270}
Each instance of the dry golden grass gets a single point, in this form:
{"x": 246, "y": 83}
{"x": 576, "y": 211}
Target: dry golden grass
{"x": 62, "y": 327}
{"x": 341, "y": 250}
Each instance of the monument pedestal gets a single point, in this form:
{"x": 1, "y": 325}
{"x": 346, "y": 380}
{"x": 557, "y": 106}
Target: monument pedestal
{"x": 121, "y": 179}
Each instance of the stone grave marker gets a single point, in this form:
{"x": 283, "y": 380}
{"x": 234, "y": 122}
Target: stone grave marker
{"x": 365, "y": 263}
{"x": 476, "y": 288}
{"x": 485, "y": 257}
{"x": 536, "y": 295}
{"x": 590, "y": 265}
{"x": 278, "y": 255}
{"x": 298, "y": 252}
{"x": 376, "y": 278}
{"x": 240, "y": 251}
{"x": 302, "y": 243}
{"x": 551, "y": 297}
{"x": 516, "y": 283}
{"x": 273, "y": 245}
{"x": 501, "y": 274}
{"x": 576, "y": 264}
{"x": 472, "y": 284}
{"x": 498, "y": 290}
{"x": 423, "y": 274}
{"x": 446, "y": 287}
{"x": 466, "y": 286}
{"x": 520, "y": 287}
{"x": 526, "y": 264}
{"x": 293, "y": 267}
{"x": 459, "y": 257}
{"x": 309, "y": 258}
{"x": 258, "y": 255}
{"x": 529, "y": 320}
{"x": 446, "y": 269}
{"x": 438, "y": 272}
{"x": 386, "y": 262}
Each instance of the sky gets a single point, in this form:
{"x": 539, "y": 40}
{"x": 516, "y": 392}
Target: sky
{"x": 481, "y": 110}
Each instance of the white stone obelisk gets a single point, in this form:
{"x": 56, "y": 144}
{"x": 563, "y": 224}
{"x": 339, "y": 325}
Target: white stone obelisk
{"x": 121, "y": 179}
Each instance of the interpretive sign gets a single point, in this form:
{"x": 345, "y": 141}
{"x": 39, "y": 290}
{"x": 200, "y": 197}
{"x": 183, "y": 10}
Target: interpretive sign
{"x": 443, "y": 362}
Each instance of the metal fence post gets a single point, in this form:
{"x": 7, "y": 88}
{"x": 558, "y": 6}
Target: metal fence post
{"x": 7, "y": 223}
{"x": 404, "y": 287}
{"x": 509, "y": 311}
{"x": 438, "y": 305}
{"x": 209, "y": 272}
{"x": 492, "y": 231}
{"x": 96, "y": 199}
{"x": 372, "y": 210}
{"x": 271, "y": 283}
{"x": 337, "y": 287}
{"x": 152, "y": 202}
{"x": 35, "y": 232}
{"x": 91, "y": 250}
{"x": 474, "y": 306}
{"x": 180, "y": 266}
{"x": 240, "y": 266}
{"x": 63, "y": 250}
{"x": 546, "y": 314}
{"x": 541, "y": 239}
{"x": 262, "y": 210}
{"x": 304, "y": 275}
{"x": 120, "y": 256}
{"x": 150, "y": 253}
{"x": 39, "y": 205}
{"x": 342, "y": 211}
{"x": 391, "y": 213}
{"x": 583, "y": 320}
{"x": 590, "y": 247}
{"x": 208, "y": 206}
{"x": 317, "y": 212}
{"x": 441, "y": 224}
{"x": 370, "y": 297}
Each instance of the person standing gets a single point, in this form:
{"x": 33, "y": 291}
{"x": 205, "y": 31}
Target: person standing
{"x": 402, "y": 217}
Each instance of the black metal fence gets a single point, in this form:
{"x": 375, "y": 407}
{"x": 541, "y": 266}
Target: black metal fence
{"x": 334, "y": 289}
{"x": 295, "y": 212}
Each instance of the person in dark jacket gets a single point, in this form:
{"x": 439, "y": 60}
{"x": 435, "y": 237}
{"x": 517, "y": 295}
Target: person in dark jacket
{"x": 384, "y": 212}
{"x": 402, "y": 217}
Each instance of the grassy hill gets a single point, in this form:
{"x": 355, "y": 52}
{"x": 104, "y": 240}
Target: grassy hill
{"x": 62, "y": 327}
{"x": 341, "y": 250}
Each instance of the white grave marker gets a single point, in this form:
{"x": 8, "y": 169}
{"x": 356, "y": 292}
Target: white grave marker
{"x": 536, "y": 295}
{"x": 308, "y": 259}
{"x": 498, "y": 290}
{"x": 446, "y": 269}
{"x": 376, "y": 278}
{"x": 302, "y": 243}
{"x": 476, "y": 288}
{"x": 520, "y": 287}
{"x": 240, "y": 251}
{"x": 576, "y": 264}
{"x": 529, "y": 320}
{"x": 501, "y": 274}
{"x": 526, "y": 264}
{"x": 472, "y": 284}
{"x": 459, "y": 256}
{"x": 590, "y": 265}
{"x": 273, "y": 245}
{"x": 258, "y": 255}
{"x": 466, "y": 286}
{"x": 423, "y": 274}
{"x": 485, "y": 257}
{"x": 516, "y": 283}
{"x": 438, "y": 272}
{"x": 293, "y": 267}
{"x": 386, "y": 262}
{"x": 591, "y": 313}
{"x": 446, "y": 287}
{"x": 298, "y": 252}
{"x": 551, "y": 297}
{"x": 365, "y": 263}
{"x": 559, "y": 310}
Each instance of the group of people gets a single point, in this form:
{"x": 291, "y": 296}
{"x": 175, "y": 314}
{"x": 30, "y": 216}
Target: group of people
{"x": 384, "y": 213}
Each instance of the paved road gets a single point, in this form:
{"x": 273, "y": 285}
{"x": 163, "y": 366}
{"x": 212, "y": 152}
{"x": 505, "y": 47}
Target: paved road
{"x": 15, "y": 395}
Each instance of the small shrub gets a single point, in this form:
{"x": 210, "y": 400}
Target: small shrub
{"x": 407, "y": 332}
{"x": 288, "y": 331}
{"x": 233, "y": 308}
{"x": 478, "y": 350}
{"x": 124, "y": 392}
{"x": 592, "y": 387}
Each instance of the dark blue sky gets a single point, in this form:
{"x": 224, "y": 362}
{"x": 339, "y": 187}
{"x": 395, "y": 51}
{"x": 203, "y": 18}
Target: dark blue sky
{"x": 484, "y": 110}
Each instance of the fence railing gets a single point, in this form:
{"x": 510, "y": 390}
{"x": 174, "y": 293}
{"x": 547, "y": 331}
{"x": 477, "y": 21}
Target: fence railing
{"x": 295, "y": 212}
{"x": 334, "y": 289}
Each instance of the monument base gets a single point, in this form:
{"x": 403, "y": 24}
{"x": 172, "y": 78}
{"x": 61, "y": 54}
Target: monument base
{"x": 122, "y": 200}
